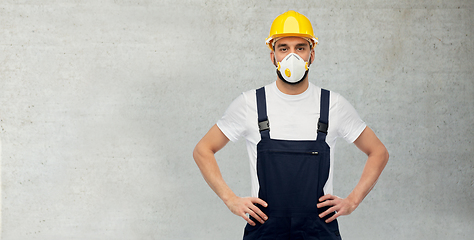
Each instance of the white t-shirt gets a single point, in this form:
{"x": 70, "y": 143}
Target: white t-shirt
{"x": 291, "y": 117}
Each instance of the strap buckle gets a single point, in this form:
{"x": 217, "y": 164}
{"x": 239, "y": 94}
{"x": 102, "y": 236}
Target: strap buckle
{"x": 264, "y": 125}
{"x": 322, "y": 127}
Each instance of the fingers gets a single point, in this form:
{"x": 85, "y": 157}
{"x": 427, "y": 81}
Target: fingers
{"x": 245, "y": 207}
{"x": 259, "y": 201}
{"x": 327, "y": 197}
{"x": 338, "y": 206}
{"x": 255, "y": 211}
{"x": 327, "y": 212}
{"x": 331, "y": 201}
{"x": 328, "y": 200}
{"x": 257, "y": 214}
{"x": 326, "y": 203}
{"x": 252, "y": 223}
{"x": 333, "y": 217}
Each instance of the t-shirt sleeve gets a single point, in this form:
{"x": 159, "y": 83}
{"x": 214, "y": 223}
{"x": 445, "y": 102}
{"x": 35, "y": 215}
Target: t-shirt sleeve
{"x": 232, "y": 123}
{"x": 350, "y": 125}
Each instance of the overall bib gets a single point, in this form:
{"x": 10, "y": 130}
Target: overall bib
{"x": 291, "y": 175}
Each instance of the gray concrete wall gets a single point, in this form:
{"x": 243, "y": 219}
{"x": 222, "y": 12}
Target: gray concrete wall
{"x": 102, "y": 102}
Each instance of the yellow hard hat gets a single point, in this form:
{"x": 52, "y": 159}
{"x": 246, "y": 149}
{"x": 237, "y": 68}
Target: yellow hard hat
{"x": 291, "y": 24}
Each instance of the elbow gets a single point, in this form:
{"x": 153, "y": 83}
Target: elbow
{"x": 385, "y": 156}
{"x": 200, "y": 153}
{"x": 381, "y": 155}
{"x": 196, "y": 153}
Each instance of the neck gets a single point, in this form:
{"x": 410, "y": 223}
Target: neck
{"x": 292, "y": 89}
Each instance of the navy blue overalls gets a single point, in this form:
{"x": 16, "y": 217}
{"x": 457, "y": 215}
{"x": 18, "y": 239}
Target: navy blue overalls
{"x": 291, "y": 175}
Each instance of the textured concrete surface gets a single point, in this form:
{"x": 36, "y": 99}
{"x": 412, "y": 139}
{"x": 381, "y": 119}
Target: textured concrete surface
{"x": 102, "y": 102}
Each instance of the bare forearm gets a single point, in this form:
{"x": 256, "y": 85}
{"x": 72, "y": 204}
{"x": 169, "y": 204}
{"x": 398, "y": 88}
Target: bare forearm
{"x": 372, "y": 170}
{"x": 376, "y": 162}
{"x": 203, "y": 154}
{"x": 210, "y": 171}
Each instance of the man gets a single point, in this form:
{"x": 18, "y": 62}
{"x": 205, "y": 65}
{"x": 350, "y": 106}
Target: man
{"x": 290, "y": 127}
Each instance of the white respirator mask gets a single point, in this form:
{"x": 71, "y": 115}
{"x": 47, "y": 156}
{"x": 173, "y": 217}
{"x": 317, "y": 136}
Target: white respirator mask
{"x": 292, "y": 69}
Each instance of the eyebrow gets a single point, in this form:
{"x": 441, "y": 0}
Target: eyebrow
{"x": 297, "y": 45}
{"x": 302, "y": 45}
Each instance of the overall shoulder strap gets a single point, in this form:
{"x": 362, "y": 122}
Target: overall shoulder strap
{"x": 263, "y": 124}
{"x": 323, "y": 123}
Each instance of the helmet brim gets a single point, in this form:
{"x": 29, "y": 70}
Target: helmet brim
{"x": 269, "y": 41}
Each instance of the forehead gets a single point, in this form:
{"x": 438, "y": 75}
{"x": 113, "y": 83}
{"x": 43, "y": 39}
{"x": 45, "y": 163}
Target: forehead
{"x": 291, "y": 41}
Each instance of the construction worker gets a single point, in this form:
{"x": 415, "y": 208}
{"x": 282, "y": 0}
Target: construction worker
{"x": 291, "y": 127}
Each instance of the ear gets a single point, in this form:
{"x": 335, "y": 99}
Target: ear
{"x": 312, "y": 56}
{"x": 272, "y": 57}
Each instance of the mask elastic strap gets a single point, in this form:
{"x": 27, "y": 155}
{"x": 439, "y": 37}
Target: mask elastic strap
{"x": 276, "y": 65}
